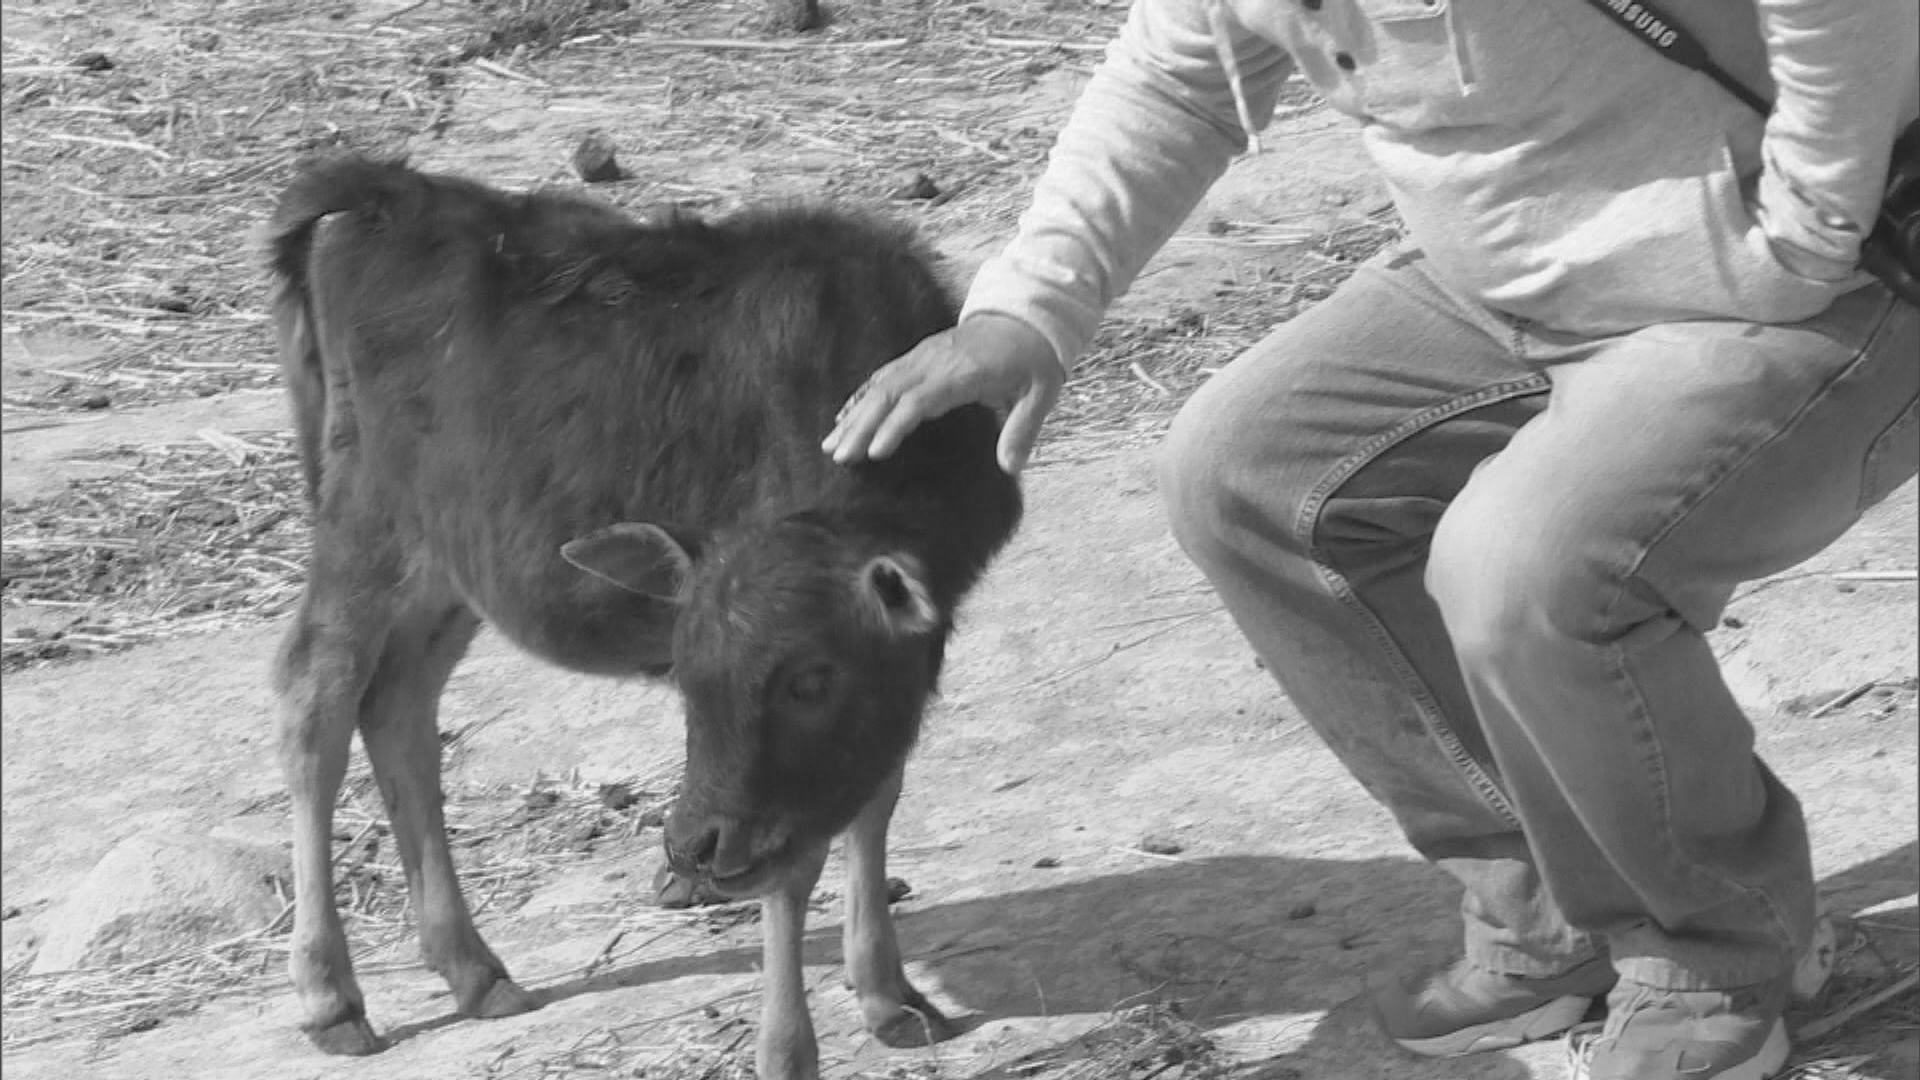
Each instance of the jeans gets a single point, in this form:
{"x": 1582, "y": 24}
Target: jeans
{"x": 1481, "y": 558}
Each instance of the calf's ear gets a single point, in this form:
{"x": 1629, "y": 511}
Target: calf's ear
{"x": 638, "y": 557}
{"x": 893, "y": 589}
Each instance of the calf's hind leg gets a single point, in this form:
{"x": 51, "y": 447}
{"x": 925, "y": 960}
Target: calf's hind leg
{"x": 323, "y": 667}
{"x": 399, "y": 725}
{"x": 897, "y": 1014}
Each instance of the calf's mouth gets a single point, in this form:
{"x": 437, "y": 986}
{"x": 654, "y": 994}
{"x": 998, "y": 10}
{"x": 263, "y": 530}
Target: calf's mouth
{"x": 755, "y": 880}
{"x": 736, "y": 859}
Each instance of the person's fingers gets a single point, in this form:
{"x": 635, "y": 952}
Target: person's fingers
{"x": 853, "y": 432}
{"x": 978, "y": 362}
{"x": 917, "y": 387}
{"x": 842, "y": 424}
{"x": 907, "y": 413}
{"x": 895, "y": 400}
{"x": 1022, "y": 428}
{"x": 856, "y": 444}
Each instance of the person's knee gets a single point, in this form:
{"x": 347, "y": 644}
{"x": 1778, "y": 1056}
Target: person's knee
{"x": 1194, "y": 464}
{"x": 1207, "y": 466}
{"x": 1510, "y": 580}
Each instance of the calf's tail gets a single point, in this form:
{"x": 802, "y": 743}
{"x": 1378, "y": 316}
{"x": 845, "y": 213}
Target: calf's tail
{"x": 374, "y": 192}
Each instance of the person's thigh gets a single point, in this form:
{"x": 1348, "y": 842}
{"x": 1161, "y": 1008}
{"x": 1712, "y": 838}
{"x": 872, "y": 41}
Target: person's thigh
{"x": 1691, "y": 457}
{"x": 1349, "y": 382}
{"x": 1305, "y": 480}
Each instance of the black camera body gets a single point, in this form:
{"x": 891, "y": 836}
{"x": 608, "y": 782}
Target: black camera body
{"x": 1892, "y": 250}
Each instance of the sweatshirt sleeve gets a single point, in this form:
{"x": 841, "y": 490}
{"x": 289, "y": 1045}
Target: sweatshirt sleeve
{"x": 1846, "y": 79}
{"x": 1153, "y": 130}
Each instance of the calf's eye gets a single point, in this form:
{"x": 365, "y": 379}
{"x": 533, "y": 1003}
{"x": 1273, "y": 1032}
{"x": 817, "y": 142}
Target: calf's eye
{"x": 809, "y": 686}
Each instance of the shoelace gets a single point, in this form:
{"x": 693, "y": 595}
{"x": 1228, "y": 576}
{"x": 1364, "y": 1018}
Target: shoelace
{"x": 1581, "y": 1041}
{"x": 1584, "y": 1040}
{"x": 1223, "y": 48}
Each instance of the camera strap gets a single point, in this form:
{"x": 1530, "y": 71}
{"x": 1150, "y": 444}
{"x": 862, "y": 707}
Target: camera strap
{"x": 1671, "y": 40}
{"x": 1892, "y": 252}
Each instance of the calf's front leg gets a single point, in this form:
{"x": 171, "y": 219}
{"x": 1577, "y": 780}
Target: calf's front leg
{"x": 787, "y": 1049}
{"x": 897, "y": 1014}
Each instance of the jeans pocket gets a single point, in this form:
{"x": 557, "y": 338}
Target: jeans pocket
{"x": 1894, "y": 457}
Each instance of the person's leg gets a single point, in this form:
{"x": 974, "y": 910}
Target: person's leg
{"x": 1578, "y": 572}
{"x": 1305, "y": 480}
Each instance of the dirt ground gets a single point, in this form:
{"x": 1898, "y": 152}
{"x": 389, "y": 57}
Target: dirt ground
{"x": 1096, "y": 693}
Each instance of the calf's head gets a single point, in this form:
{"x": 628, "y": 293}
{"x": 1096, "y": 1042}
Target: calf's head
{"x": 805, "y": 654}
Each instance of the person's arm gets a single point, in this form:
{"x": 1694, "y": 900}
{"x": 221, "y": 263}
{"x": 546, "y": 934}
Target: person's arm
{"x": 1846, "y": 82}
{"x": 1156, "y": 126}
{"x": 1154, "y": 129}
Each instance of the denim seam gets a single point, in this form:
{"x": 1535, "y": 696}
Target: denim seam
{"x": 1616, "y": 654}
{"x": 1874, "y": 449}
{"x": 1687, "y": 506}
{"x": 1647, "y": 739}
{"x": 1306, "y": 527}
{"x": 1517, "y": 344}
{"x": 1871, "y": 486}
{"x": 1655, "y": 762}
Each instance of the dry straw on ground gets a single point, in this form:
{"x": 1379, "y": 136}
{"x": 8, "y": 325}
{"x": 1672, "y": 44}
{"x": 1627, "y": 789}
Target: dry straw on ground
{"x": 1138, "y": 1041}
{"x": 508, "y": 841}
{"x": 1140, "y": 370}
{"x": 136, "y": 183}
{"x": 711, "y": 1040}
{"x": 1842, "y": 1034}
{"x": 179, "y": 538}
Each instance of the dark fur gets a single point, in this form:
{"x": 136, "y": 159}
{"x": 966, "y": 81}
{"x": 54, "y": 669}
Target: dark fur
{"x": 588, "y": 370}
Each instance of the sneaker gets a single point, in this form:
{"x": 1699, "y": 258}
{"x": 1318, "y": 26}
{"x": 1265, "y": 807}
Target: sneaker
{"x": 1684, "y": 1035}
{"x": 1467, "y": 1009}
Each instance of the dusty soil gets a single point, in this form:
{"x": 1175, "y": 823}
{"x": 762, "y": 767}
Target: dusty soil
{"x": 1096, "y": 694}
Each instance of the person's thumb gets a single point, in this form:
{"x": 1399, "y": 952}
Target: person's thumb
{"x": 1022, "y": 429}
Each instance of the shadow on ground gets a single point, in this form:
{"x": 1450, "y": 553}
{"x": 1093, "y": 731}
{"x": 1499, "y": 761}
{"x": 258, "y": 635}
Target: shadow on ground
{"x": 1228, "y": 938}
{"x": 1214, "y": 933}
{"x": 1891, "y": 876}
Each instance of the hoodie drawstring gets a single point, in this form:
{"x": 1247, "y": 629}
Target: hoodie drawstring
{"x": 1223, "y": 47}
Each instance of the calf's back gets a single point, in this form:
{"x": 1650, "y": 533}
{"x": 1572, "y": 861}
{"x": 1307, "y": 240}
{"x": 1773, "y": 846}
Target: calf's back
{"x": 480, "y": 377}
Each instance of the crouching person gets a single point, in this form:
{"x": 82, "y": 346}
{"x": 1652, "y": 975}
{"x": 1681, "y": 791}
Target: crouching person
{"x": 1477, "y": 510}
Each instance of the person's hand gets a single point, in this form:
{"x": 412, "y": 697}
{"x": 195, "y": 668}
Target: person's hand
{"x": 988, "y": 359}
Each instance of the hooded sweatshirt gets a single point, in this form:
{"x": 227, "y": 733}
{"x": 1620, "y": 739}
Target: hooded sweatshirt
{"x": 1552, "y": 167}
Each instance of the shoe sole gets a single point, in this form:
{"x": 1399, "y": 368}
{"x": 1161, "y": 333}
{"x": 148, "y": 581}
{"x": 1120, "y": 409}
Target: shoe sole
{"x": 1764, "y": 1065}
{"x": 1542, "y": 1022}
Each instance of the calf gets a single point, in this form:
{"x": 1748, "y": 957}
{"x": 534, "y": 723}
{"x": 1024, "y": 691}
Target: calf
{"x": 603, "y": 438}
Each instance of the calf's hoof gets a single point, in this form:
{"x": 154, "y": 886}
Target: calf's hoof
{"x": 916, "y": 1022}
{"x": 788, "y": 1062}
{"x": 352, "y": 1037}
{"x": 503, "y": 998}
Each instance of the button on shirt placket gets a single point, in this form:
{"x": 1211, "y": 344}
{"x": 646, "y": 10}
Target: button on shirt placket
{"x": 1318, "y": 29}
